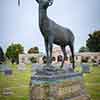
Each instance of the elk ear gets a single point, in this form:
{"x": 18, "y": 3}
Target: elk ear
{"x": 37, "y": 1}
{"x": 50, "y": 2}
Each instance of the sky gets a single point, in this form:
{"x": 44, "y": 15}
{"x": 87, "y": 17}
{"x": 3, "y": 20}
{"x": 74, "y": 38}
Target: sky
{"x": 20, "y": 24}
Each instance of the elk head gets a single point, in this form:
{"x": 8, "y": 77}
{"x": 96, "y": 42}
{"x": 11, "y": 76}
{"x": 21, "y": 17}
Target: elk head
{"x": 45, "y": 3}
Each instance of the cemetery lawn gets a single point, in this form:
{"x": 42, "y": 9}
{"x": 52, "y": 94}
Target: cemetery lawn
{"x": 92, "y": 83}
{"x": 18, "y": 83}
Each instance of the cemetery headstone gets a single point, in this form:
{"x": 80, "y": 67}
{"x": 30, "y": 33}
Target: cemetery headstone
{"x": 68, "y": 68}
{"x": 85, "y": 68}
{"x": 8, "y": 72}
{"x": 5, "y": 69}
{"x": 22, "y": 67}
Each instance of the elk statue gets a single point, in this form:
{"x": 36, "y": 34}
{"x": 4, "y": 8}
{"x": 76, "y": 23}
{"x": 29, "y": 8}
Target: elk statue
{"x": 54, "y": 33}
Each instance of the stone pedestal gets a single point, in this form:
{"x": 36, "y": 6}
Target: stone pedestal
{"x": 63, "y": 86}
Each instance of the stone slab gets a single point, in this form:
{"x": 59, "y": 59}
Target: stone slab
{"x": 65, "y": 86}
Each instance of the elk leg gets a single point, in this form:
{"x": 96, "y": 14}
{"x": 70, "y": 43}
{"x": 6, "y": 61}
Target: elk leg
{"x": 50, "y": 46}
{"x": 72, "y": 51}
{"x": 46, "y": 48}
{"x": 65, "y": 54}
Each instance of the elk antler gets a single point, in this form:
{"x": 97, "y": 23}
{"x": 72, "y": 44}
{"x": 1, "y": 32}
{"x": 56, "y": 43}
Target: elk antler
{"x": 37, "y": 1}
{"x": 18, "y": 2}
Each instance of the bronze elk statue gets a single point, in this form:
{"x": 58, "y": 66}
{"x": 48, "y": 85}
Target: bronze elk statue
{"x": 54, "y": 33}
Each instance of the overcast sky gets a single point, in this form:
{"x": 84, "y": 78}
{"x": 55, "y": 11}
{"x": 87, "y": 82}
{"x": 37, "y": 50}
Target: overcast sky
{"x": 20, "y": 24}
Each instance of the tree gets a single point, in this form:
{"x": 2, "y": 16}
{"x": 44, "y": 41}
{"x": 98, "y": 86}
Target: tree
{"x": 33, "y": 50}
{"x": 93, "y": 42}
{"x": 83, "y": 49}
{"x": 33, "y": 59}
{"x": 13, "y": 52}
{"x": 2, "y": 57}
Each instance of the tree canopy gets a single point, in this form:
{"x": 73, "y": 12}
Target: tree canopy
{"x": 83, "y": 49}
{"x": 13, "y": 52}
{"x": 2, "y": 57}
{"x": 33, "y": 50}
{"x": 33, "y": 59}
{"x": 93, "y": 42}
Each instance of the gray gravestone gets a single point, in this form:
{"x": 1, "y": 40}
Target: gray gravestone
{"x": 68, "y": 68}
{"x": 5, "y": 69}
{"x": 85, "y": 68}
{"x": 8, "y": 72}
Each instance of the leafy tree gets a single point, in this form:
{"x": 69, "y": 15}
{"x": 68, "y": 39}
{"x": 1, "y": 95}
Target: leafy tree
{"x": 2, "y": 57}
{"x": 33, "y": 60}
{"x": 13, "y": 52}
{"x": 33, "y": 50}
{"x": 93, "y": 42}
{"x": 83, "y": 49}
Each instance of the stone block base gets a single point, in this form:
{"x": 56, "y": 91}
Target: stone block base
{"x": 60, "y": 87}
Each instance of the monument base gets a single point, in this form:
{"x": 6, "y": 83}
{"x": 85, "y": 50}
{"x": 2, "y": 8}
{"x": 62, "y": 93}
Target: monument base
{"x": 63, "y": 86}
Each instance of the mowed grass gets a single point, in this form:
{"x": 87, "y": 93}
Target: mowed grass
{"x": 18, "y": 82}
{"x": 92, "y": 83}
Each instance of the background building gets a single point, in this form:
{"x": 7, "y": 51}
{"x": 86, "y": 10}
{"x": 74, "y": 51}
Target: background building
{"x": 26, "y": 58}
{"x": 93, "y": 57}
{"x": 57, "y": 55}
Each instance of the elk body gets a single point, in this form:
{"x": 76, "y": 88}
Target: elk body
{"x": 54, "y": 33}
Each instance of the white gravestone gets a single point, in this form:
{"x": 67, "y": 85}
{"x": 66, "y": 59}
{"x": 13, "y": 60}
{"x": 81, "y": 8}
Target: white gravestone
{"x": 21, "y": 67}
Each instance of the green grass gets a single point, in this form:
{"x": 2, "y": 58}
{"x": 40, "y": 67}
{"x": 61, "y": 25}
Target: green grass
{"x": 18, "y": 82}
{"x": 92, "y": 83}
